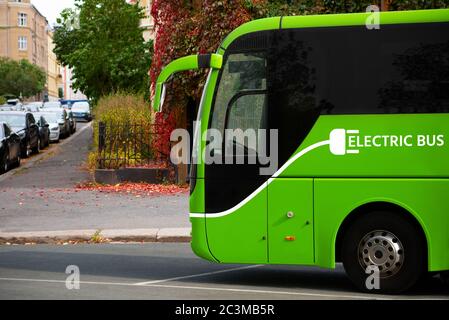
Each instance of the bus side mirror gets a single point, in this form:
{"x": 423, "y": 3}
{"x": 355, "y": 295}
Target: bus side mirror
{"x": 193, "y": 62}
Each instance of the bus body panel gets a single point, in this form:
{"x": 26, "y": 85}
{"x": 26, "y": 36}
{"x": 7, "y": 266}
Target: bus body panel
{"x": 290, "y": 221}
{"x": 376, "y": 142}
{"x": 425, "y": 199}
{"x": 241, "y": 236}
{"x": 335, "y": 20}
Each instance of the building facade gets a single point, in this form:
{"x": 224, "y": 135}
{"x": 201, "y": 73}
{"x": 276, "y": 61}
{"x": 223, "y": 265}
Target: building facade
{"x": 54, "y": 77}
{"x": 147, "y": 23}
{"x": 23, "y": 32}
{"x": 66, "y": 85}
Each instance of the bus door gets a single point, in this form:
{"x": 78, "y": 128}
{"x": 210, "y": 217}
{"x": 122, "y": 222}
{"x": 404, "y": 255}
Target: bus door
{"x": 290, "y": 219}
{"x": 295, "y": 59}
{"x": 235, "y": 191}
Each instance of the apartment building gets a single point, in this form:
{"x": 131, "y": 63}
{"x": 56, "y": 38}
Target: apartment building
{"x": 147, "y": 23}
{"x": 54, "y": 77}
{"x": 23, "y": 32}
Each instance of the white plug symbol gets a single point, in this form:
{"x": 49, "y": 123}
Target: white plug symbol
{"x": 337, "y": 142}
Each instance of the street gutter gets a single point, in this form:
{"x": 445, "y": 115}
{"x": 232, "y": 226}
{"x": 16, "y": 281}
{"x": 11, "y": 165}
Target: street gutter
{"x": 170, "y": 235}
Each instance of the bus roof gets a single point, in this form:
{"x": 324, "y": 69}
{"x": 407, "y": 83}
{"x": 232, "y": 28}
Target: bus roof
{"x": 334, "y": 20}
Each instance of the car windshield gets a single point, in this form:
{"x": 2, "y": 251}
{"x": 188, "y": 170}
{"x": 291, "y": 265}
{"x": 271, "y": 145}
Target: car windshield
{"x": 31, "y": 107}
{"x": 52, "y": 105}
{"x": 79, "y": 106}
{"x": 49, "y": 117}
{"x": 13, "y": 120}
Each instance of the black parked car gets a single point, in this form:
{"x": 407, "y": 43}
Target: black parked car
{"x": 9, "y": 148}
{"x": 44, "y": 131}
{"x": 72, "y": 121}
{"x": 24, "y": 124}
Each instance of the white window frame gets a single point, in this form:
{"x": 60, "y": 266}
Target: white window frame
{"x": 23, "y": 43}
{"x": 22, "y": 19}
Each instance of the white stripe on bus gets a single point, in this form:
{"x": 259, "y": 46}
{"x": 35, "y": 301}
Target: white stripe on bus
{"x": 263, "y": 186}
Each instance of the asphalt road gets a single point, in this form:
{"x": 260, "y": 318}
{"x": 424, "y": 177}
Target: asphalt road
{"x": 43, "y": 198}
{"x": 169, "y": 271}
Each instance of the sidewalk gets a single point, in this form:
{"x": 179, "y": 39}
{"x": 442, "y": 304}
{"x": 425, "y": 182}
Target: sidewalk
{"x": 40, "y": 203}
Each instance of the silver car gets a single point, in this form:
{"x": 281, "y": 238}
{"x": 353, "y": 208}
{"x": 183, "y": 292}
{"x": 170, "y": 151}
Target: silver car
{"x": 64, "y": 123}
{"x": 53, "y": 120}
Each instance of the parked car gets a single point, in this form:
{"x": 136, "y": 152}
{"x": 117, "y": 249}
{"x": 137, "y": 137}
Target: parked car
{"x": 7, "y": 107}
{"x": 24, "y": 124}
{"x": 69, "y": 103}
{"x": 52, "y": 105}
{"x": 33, "y": 106}
{"x": 72, "y": 121}
{"x": 64, "y": 124}
{"x": 52, "y": 118}
{"x": 13, "y": 102}
{"x": 81, "y": 111}
{"x": 9, "y": 148}
{"x": 44, "y": 131}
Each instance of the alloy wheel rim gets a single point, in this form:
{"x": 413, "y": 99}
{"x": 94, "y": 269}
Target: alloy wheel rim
{"x": 383, "y": 250}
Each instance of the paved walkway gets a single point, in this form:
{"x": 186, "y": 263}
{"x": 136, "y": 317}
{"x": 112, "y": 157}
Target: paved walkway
{"x": 42, "y": 197}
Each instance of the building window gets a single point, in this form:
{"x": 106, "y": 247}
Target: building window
{"x": 22, "y": 19}
{"x": 23, "y": 43}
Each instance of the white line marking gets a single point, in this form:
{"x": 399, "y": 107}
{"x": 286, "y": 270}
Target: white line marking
{"x": 263, "y": 186}
{"x": 353, "y": 151}
{"x": 353, "y": 131}
{"x": 271, "y": 292}
{"x": 196, "y": 275}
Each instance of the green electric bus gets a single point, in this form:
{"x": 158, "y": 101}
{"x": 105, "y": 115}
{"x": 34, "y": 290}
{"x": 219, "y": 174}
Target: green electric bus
{"x": 362, "y": 121}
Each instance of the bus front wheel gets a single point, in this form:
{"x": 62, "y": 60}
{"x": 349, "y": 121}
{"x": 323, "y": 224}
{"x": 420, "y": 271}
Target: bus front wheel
{"x": 383, "y": 252}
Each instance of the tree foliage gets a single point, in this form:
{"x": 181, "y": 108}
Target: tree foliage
{"x": 21, "y": 78}
{"x": 103, "y": 42}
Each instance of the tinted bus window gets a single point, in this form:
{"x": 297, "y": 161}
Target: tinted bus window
{"x": 352, "y": 70}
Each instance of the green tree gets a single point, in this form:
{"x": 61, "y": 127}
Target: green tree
{"x": 103, "y": 42}
{"x": 21, "y": 78}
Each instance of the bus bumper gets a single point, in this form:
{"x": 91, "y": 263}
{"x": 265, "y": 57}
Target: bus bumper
{"x": 199, "y": 239}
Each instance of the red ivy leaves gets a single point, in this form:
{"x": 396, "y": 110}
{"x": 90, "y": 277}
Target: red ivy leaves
{"x": 184, "y": 28}
{"x": 191, "y": 27}
{"x": 135, "y": 189}
{"x": 164, "y": 125}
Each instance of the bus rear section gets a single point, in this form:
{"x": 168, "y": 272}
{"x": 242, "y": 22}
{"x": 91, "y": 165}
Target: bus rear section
{"x": 362, "y": 139}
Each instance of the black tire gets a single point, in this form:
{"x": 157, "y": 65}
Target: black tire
{"x": 380, "y": 232}
{"x": 17, "y": 163}
{"x": 4, "y": 165}
{"x": 37, "y": 148}
{"x": 24, "y": 151}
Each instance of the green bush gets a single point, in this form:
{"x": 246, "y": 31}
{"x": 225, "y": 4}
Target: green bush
{"x": 123, "y": 108}
{"x": 128, "y": 139}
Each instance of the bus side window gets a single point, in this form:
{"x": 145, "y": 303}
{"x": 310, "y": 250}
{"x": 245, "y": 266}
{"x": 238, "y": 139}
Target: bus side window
{"x": 242, "y": 72}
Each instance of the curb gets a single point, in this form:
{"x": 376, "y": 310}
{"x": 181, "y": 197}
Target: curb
{"x": 163, "y": 235}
